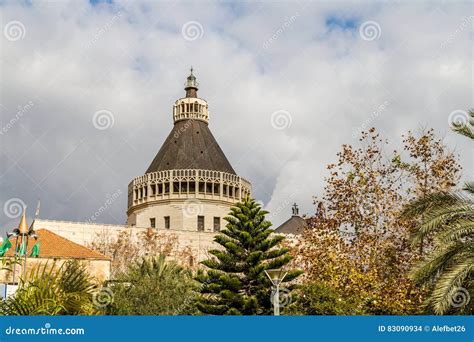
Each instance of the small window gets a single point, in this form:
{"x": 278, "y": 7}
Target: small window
{"x": 217, "y": 224}
{"x": 167, "y": 222}
{"x": 200, "y": 223}
{"x": 152, "y": 222}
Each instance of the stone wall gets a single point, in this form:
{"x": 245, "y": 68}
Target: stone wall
{"x": 183, "y": 214}
{"x": 85, "y": 234}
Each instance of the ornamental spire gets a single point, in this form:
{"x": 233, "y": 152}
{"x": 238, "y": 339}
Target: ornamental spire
{"x": 23, "y": 226}
{"x": 191, "y": 85}
{"x": 295, "y": 209}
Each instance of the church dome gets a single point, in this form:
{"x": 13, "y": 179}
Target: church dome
{"x": 190, "y": 145}
{"x": 190, "y": 185}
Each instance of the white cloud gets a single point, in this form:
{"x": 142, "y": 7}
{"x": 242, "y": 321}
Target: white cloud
{"x": 251, "y": 60}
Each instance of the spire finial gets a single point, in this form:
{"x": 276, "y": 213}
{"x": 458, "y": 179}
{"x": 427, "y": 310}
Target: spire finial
{"x": 191, "y": 85}
{"x": 295, "y": 209}
{"x": 23, "y": 226}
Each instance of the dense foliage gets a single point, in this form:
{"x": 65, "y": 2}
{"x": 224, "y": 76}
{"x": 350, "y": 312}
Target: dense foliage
{"x": 357, "y": 244}
{"x": 447, "y": 218}
{"x": 318, "y": 298}
{"x": 52, "y": 290}
{"x": 129, "y": 247}
{"x": 153, "y": 286}
{"x": 235, "y": 282}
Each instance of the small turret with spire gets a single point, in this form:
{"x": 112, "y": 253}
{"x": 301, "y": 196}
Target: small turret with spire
{"x": 191, "y": 107}
{"x": 191, "y": 85}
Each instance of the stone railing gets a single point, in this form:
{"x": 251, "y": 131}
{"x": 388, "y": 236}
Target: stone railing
{"x": 191, "y": 108}
{"x": 183, "y": 184}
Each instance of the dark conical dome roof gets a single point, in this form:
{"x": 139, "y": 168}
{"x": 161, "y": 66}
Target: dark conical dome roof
{"x": 190, "y": 145}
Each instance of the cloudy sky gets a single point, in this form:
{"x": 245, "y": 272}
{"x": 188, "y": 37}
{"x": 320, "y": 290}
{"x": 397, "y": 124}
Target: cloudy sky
{"x": 87, "y": 89}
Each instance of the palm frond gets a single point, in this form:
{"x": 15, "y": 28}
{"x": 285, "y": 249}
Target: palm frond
{"x": 437, "y": 218}
{"x": 469, "y": 188}
{"x": 421, "y": 205}
{"x": 52, "y": 290}
{"x": 436, "y": 262}
{"x": 449, "y": 284}
{"x": 466, "y": 129}
{"x": 462, "y": 229}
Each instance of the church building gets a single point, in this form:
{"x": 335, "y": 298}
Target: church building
{"x": 186, "y": 191}
{"x": 190, "y": 185}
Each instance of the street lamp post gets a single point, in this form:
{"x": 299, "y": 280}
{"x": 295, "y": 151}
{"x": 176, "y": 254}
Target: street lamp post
{"x": 276, "y": 276}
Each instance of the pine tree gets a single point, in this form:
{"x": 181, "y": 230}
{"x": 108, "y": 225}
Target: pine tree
{"x": 235, "y": 282}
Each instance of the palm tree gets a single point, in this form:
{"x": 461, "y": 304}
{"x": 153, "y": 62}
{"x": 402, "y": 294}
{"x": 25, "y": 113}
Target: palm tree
{"x": 52, "y": 290}
{"x": 465, "y": 128}
{"x": 447, "y": 217}
{"x": 153, "y": 286}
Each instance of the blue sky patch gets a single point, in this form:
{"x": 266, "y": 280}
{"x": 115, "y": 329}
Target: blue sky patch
{"x": 335, "y": 22}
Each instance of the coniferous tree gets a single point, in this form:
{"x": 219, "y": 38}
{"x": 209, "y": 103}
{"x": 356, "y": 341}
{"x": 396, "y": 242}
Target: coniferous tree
{"x": 235, "y": 283}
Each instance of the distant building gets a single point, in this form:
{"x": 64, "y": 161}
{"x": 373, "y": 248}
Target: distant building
{"x": 295, "y": 225}
{"x": 186, "y": 191}
{"x": 55, "y": 249}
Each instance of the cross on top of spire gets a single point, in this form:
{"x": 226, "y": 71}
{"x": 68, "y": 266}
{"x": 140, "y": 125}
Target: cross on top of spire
{"x": 295, "y": 209}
